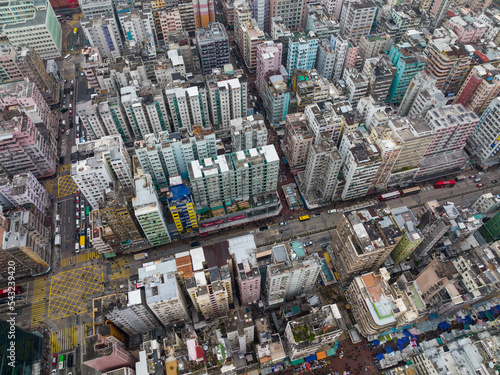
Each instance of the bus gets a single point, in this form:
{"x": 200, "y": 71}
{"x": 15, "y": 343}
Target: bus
{"x": 444, "y": 184}
{"x": 5, "y": 292}
{"x": 82, "y": 242}
{"x": 61, "y": 362}
{"x": 388, "y": 196}
{"x": 67, "y": 56}
{"x": 77, "y": 120}
{"x": 304, "y": 218}
{"x": 409, "y": 191}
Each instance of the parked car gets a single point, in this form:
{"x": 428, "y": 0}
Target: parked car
{"x": 308, "y": 243}
{"x": 68, "y": 131}
{"x": 473, "y": 176}
{"x": 316, "y": 215}
{"x": 54, "y": 359}
{"x": 262, "y": 229}
{"x": 62, "y": 130}
{"x": 480, "y": 185}
{"x": 77, "y": 206}
{"x": 282, "y": 223}
{"x": 494, "y": 181}
{"x": 195, "y": 243}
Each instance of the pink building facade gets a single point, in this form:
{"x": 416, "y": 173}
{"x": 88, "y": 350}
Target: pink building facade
{"x": 92, "y": 61}
{"x": 25, "y": 95}
{"x": 248, "y": 282}
{"x": 23, "y": 148}
{"x": 204, "y": 12}
{"x": 9, "y": 71}
{"x": 352, "y": 54}
{"x": 466, "y": 31}
{"x": 26, "y": 189}
{"x": 269, "y": 56}
{"x": 480, "y": 88}
{"x": 170, "y": 21}
{"x": 104, "y": 355}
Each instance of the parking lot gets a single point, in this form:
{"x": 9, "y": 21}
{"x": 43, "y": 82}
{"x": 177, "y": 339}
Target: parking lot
{"x": 69, "y": 291}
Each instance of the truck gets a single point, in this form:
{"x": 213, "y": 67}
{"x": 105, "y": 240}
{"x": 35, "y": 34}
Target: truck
{"x": 57, "y": 240}
{"x": 61, "y": 362}
{"x": 140, "y": 256}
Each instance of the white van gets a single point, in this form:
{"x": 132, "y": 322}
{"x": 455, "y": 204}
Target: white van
{"x": 77, "y": 247}
{"x": 332, "y": 211}
{"x": 58, "y": 218}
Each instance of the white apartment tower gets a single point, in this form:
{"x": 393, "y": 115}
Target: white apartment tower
{"x": 114, "y": 118}
{"x": 333, "y": 7}
{"x": 249, "y": 132}
{"x": 215, "y": 180}
{"x": 139, "y": 28}
{"x": 419, "y": 83}
{"x": 93, "y": 176}
{"x": 188, "y": 108}
{"x": 289, "y": 275}
{"x": 149, "y": 212}
{"x": 102, "y": 32}
{"x": 165, "y": 298}
{"x": 483, "y": 144}
{"x": 227, "y": 98}
{"x": 356, "y": 19}
{"x": 87, "y": 111}
{"x": 137, "y": 116}
{"x": 91, "y": 8}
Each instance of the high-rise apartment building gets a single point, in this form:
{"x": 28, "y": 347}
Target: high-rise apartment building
{"x": 34, "y": 25}
{"x": 170, "y": 21}
{"x": 227, "y": 95}
{"x": 248, "y": 132}
{"x": 276, "y": 97}
{"x": 269, "y": 58}
{"x": 103, "y": 32}
{"x": 356, "y": 19}
{"x": 138, "y": 25}
{"x": 25, "y": 243}
{"x": 325, "y": 59}
{"x": 362, "y": 242}
{"x": 165, "y": 298}
{"x": 165, "y": 156}
{"x": 380, "y": 73}
{"x": 213, "y": 47}
{"x": 260, "y": 13}
{"x": 216, "y": 180}
{"x": 448, "y": 64}
{"x": 389, "y": 153}
{"x": 91, "y": 8}
{"x": 451, "y": 126}
{"x": 418, "y": 84}
{"x": 26, "y": 189}
{"x": 333, "y": 7}
{"x": 113, "y": 117}
{"x": 297, "y": 140}
{"x": 290, "y": 274}
{"x": 188, "y": 20}
{"x": 408, "y": 61}
{"x": 149, "y": 211}
{"x": 302, "y": 51}
{"x": 291, "y": 12}
{"x": 252, "y": 37}
{"x": 127, "y": 310}
{"x": 412, "y": 237}
{"x": 484, "y": 143}
{"x": 105, "y": 355}
{"x": 9, "y": 71}
{"x": 357, "y": 85}
{"x": 188, "y": 107}
{"x": 321, "y": 117}
{"x": 361, "y": 161}
{"x": 380, "y": 306}
{"x": 346, "y": 54}
{"x": 320, "y": 178}
{"x": 181, "y": 206}
{"x": 24, "y": 148}
{"x": 281, "y": 33}
{"x": 319, "y": 22}
{"x": 373, "y": 45}
{"x": 87, "y": 111}
{"x": 479, "y": 89}
{"x": 309, "y": 87}
{"x": 240, "y": 329}
{"x": 204, "y": 12}
{"x": 92, "y": 176}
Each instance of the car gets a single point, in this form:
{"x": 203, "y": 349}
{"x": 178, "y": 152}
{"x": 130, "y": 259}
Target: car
{"x": 494, "y": 181}
{"x": 58, "y": 204}
{"x": 64, "y": 110}
{"x": 54, "y": 359}
{"x": 70, "y": 361}
{"x": 325, "y": 245}
{"x": 195, "y": 243}
{"x": 68, "y": 131}
{"x": 54, "y": 372}
{"x": 262, "y": 229}
{"x": 308, "y": 243}
{"x": 473, "y": 176}
{"x": 316, "y": 215}
{"x": 282, "y": 223}
{"x": 77, "y": 135}
{"x": 70, "y": 111}
{"x": 71, "y": 125}
{"x": 77, "y": 206}
{"x": 480, "y": 185}
{"x": 78, "y": 223}
{"x": 77, "y": 199}
{"x": 63, "y": 130}
{"x": 88, "y": 232}
{"x": 77, "y": 191}
{"x": 480, "y": 173}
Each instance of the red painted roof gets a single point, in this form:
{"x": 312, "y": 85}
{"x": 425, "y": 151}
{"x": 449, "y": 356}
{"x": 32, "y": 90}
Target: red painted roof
{"x": 482, "y": 56}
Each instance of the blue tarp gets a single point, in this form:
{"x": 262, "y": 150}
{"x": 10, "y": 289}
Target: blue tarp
{"x": 376, "y": 342}
{"x": 388, "y": 350}
{"x": 405, "y": 340}
{"x": 496, "y": 309}
{"x": 311, "y": 358}
{"x": 400, "y": 342}
{"x": 380, "y": 356}
{"x": 460, "y": 319}
{"x": 400, "y": 347}
{"x": 406, "y": 333}
{"x": 468, "y": 319}
{"x": 433, "y": 316}
{"x": 444, "y": 325}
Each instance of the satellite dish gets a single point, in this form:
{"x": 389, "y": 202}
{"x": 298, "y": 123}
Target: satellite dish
{"x": 205, "y": 348}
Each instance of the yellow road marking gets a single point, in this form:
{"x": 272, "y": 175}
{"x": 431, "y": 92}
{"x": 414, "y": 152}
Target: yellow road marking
{"x": 38, "y": 306}
{"x": 66, "y": 186}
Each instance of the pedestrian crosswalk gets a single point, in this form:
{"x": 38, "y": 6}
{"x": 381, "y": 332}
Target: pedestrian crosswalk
{"x": 68, "y": 338}
{"x": 119, "y": 269}
{"x": 38, "y": 301}
{"x": 80, "y": 258}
